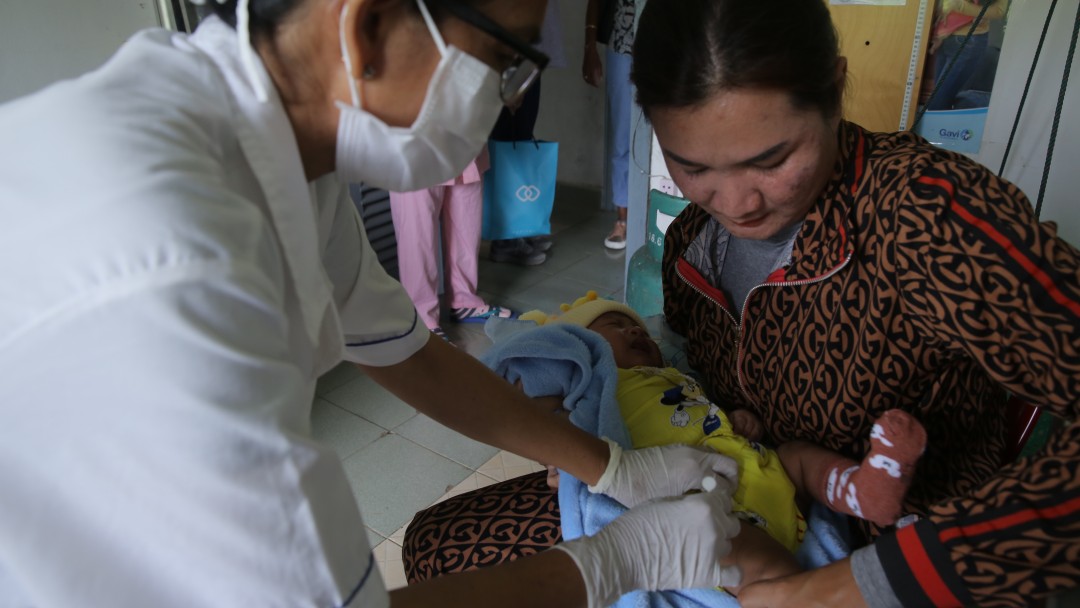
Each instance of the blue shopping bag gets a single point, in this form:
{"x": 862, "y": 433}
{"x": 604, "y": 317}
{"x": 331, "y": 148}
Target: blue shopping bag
{"x": 519, "y": 189}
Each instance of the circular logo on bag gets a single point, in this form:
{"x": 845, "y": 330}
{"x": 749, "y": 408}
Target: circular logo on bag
{"x": 528, "y": 194}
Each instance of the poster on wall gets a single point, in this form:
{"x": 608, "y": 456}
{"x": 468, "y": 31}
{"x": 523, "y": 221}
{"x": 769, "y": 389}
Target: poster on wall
{"x": 958, "y": 77}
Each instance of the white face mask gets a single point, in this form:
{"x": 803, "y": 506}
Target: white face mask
{"x": 458, "y": 113}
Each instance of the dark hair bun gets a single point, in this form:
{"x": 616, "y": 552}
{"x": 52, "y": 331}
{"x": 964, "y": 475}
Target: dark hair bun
{"x": 685, "y": 51}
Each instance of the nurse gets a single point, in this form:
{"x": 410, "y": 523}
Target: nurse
{"x": 180, "y": 262}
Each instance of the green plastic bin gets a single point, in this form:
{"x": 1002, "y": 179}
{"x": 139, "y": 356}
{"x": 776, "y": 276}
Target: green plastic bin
{"x": 644, "y": 290}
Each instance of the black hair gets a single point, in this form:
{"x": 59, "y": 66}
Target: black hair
{"x": 686, "y": 51}
{"x": 267, "y": 15}
{"x": 264, "y": 15}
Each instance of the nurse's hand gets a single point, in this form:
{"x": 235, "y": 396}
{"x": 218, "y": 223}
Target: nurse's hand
{"x": 833, "y": 585}
{"x": 673, "y": 543}
{"x": 637, "y": 476}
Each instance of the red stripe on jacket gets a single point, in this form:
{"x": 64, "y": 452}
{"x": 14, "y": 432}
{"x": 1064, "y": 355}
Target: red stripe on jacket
{"x": 921, "y": 567}
{"x": 1012, "y": 519}
{"x": 860, "y": 163}
{"x": 691, "y": 274}
{"x": 1010, "y": 249}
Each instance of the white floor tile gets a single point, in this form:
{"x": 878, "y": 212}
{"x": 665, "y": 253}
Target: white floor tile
{"x": 342, "y": 430}
{"x": 393, "y": 478}
{"x": 494, "y": 468}
{"x": 391, "y": 567}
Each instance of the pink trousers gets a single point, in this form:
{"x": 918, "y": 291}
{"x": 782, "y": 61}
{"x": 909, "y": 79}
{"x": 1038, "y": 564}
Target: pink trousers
{"x": 416, "y": 221}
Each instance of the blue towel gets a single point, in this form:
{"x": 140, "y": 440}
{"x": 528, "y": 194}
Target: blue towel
{"x": 577, "y": 362}
{"x": 565, "y": 360}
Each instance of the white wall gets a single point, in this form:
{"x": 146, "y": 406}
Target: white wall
{"x": 1028, "y": 154}
{"x": 572, "y": 112}
{"x": 42, "y": 41}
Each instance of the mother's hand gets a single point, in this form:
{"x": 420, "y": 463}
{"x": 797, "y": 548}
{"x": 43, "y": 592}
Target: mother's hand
{"x": 833, "y": 585}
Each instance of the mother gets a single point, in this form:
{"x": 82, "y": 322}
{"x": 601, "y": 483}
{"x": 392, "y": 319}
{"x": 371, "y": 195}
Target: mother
{"x": 180, "y": 262}
{"x": 826, "y": 274}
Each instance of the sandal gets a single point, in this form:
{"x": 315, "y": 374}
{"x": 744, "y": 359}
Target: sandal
{"x": 438, "y": 331}
{"x": 480, "y": 314}
{"x": 617, "y": 239}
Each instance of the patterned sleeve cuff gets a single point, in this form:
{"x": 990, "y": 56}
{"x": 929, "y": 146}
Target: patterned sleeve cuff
{"x": 871, "y": 579}
{"x": 919, "y": 568}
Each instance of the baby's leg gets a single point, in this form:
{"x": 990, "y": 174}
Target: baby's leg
{"x": 759, "y": 556}
{"x": 873, "y": 490}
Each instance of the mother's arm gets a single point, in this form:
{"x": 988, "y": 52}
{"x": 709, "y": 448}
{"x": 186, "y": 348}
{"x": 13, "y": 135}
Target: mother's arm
{"x": 981, "y": 273}
{"x": 1015, "y": 537}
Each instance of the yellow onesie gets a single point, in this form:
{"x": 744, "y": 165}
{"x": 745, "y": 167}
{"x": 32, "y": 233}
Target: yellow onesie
{"x": 662, "y": 406}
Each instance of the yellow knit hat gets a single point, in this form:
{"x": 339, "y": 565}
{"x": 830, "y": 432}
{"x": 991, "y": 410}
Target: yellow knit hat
{"x": 582, "y": 312}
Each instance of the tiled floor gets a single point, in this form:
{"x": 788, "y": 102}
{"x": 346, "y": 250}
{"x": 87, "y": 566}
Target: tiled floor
{"x": 406, "y": 461}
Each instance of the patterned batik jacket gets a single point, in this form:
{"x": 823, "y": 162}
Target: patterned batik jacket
{"x": 918, "y": 281}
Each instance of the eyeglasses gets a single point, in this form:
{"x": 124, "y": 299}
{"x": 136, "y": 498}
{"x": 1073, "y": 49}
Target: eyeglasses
{"x": 527, "y": 64}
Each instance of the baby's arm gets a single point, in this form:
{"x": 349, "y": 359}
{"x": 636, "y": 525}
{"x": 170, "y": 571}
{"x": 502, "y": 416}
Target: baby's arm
{"x": 746, "y": 424}
{"x": 873, "y": 489}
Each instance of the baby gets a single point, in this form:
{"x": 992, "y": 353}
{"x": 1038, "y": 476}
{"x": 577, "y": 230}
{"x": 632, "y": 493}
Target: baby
{"x": 661, "y": 405}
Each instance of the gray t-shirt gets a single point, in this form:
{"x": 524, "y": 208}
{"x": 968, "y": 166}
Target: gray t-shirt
{"x": 747, "y": 263}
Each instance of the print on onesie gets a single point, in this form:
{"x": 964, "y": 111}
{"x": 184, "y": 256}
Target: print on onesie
{"x": 687, "y": 392}
{"x": 663, "y": 406}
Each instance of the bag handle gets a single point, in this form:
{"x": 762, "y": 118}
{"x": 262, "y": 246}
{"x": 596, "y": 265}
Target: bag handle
{"x": 535, "y": 142}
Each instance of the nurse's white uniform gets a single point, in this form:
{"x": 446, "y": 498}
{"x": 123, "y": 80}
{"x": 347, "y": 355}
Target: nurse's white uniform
{"x": 170, "y": 289}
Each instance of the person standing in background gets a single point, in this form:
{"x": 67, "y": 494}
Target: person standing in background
{"x": 456, "y": 205}
{"x": 955, "y": 18}
{"x": 517, "y": 124}
{"x": 616, "y": 17}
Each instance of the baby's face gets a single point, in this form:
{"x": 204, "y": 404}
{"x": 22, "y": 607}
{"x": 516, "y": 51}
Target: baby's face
{"x": 629, "y": 341}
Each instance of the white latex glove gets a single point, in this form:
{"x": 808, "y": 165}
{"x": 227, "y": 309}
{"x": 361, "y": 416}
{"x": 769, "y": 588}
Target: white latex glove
{"x": 670, "y": 543}
{"x": 672, "y": 470}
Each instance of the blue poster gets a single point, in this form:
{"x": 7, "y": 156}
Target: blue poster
{"x": 959, "y": 130}
{"x": 960, "y": 69}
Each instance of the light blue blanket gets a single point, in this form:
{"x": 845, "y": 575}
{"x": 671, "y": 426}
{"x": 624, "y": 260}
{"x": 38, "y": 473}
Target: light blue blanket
{"x": 576, "y": 362}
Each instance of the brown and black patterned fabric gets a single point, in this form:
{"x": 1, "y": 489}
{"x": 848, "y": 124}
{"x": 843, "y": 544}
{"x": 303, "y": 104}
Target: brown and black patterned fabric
{"x": 484, "y": 527}
{"x": 919, "y": 281}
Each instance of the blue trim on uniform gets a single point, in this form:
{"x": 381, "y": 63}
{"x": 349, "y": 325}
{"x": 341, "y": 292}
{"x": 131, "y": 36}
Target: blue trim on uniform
{"x": 363, "y": 579}
{"x": 390, "y": 339}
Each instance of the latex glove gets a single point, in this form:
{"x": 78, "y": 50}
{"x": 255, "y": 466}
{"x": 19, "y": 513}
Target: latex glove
{"x": 672, "y": 470}
{"x": 671, "y": 543}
